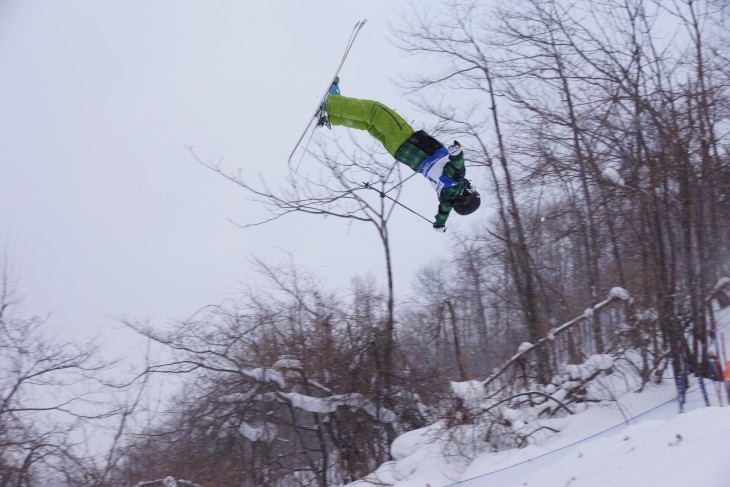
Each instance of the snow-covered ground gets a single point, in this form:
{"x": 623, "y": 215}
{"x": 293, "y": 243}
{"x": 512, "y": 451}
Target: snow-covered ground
{"x": 636, "y": 440}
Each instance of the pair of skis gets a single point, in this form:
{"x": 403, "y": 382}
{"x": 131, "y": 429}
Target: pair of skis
{"x": 312, "y": 124}
{"x": 313, "y": 121}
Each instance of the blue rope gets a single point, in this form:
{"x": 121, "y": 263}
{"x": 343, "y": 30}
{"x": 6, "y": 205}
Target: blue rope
{"x": 628, "y": 421}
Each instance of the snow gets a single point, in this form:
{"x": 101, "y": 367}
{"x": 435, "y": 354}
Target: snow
{"x": 620, "y": 293}
{"x": 624, "y": 438}
{"x": 651, "y": 450}
{"x": 168, "y": 482}
{"x": 613, "y": 175}
{"x": 313, "y": 404}
{"x": 637, "y": 441}
{"x": 589, "y": 367}
{"x": 410, "y": 454}
{"x": 721, "y": 283}
{"x": 471, "y": 392}
{"x": 235, "y": 397}
{"x": 331, "y": 403}
{"x": 266, "y": 375}
{"x": 266, "y": 432}
{"x": 600, "y": 361}
{"x": 418, "y": 460}
{"x": 647, "y": 314}
{"x": 287, "y": 363}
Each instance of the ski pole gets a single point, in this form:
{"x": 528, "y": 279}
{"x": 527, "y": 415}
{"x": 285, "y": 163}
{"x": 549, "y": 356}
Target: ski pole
{"x": 406, "y": 179}
{"x": 383, "y": 195}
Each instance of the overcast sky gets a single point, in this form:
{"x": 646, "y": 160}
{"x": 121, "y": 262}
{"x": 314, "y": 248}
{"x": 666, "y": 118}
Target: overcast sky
{"x": 104, "y": 213}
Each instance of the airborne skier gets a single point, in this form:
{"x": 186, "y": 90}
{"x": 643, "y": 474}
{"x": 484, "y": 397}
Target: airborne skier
{"x": 443, "y": 167}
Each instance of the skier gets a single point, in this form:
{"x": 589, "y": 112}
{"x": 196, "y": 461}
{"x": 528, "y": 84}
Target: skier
{"x": 443, "y": 167}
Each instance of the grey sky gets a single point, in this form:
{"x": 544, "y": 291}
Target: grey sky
{"x": 103, "y": 212}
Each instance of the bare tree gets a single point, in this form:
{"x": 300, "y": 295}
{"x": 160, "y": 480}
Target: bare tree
{"x": 283, "y": 384}
{"x": 608, "y": 144}
{"x": 346, "y": 186}
{"x": 50, "y": 388}
{"x": 603, "y": 144}
{"x": 455, "y": 39}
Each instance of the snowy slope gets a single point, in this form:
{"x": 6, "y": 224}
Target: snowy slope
{"x": 639, "y": 439}
{"x": 690, "y": 449}
{"x": 640, "y": 453}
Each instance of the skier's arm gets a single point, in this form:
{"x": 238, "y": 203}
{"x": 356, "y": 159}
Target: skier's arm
{"x": 443, "y": 213}
{"x": 455, "y": 169}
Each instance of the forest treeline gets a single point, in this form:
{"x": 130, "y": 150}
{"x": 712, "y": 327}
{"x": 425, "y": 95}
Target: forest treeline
{"x": 598, "y": 134}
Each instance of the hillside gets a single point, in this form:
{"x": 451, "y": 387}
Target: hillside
{"x": 636, "y": 440}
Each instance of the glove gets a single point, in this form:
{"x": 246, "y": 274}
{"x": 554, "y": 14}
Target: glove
{"x": 455, "y": 149}
{"x": 440, "y": 229}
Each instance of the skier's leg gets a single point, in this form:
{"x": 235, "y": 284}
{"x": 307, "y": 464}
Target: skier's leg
{"x": 380, "y": 121}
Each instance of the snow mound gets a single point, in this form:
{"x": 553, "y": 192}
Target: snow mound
{"x": 471, "y": 392}
{"x": 266, "y": 432}
{"x": 613, "y": 175}
{"x": 597, "y": 447}
{"x": 620, "y": 293}
{"x": 418, "y": 461}
{"x": 588, "y": 368}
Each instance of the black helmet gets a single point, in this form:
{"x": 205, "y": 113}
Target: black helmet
{"x": 467, "y": 202}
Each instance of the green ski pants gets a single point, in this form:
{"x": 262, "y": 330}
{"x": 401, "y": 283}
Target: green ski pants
{"x": 381, "y": 122}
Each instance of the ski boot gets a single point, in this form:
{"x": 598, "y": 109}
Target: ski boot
{"x": 335, "y": 88}
{"x": 322, "y": 118}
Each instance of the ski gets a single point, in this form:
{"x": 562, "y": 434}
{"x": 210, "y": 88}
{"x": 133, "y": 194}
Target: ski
{"x": 312, "y": 122}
